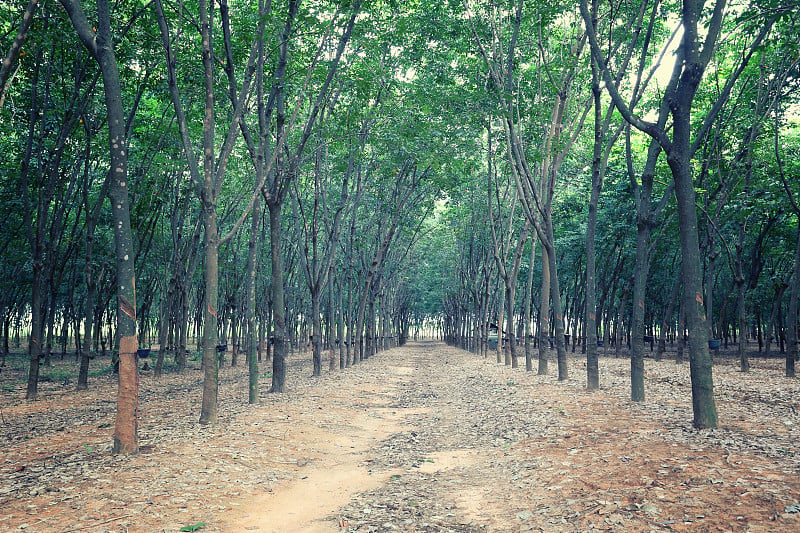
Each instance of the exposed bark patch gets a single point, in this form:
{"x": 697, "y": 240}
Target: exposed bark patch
{"x": 126, "y": 433}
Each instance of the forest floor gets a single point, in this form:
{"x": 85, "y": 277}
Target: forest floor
{"x": 418, "y": 439}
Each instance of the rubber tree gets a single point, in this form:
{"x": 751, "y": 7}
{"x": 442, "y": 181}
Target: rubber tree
{"x": 289, "y": 159}
{"x": 507, "y": 237}
{"x": 322, "y": 219}
{"x": 406, "y": 194}
{"x": 592, "y": 366}
{"x": 675, "y": 139}
{"x": 207, "y": 178}
{"x": 537, "y": 182}
{"x": 46, "y": 147}
{"x": 92, "y": 212}
{"x": 100, "y": 44}
{"x": 604, "y": 141}
{"x": 317, "y": 257}
{"x": 792, "y": 352}
{"x": 642, "y": 29}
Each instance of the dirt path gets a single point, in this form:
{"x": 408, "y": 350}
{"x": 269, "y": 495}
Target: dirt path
{"x": 422, "y": 438}
{"x": 336, "y": 464}
{"x": 463, "y": 445}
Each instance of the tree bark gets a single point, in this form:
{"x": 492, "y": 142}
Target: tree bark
{"x": 210, "y": 357}
{"x": 528, "y": 300}
{"x": 278, "y": 302}
{"x": 544, "y": 315}
{"x": 592, "y": 365}
{"x": 679, "y": 160}
{"x": 792, "y": 327}
{"x": 250, "y": 306}
{"x": 101, "y": 46}
{"x": 793, "y": 351}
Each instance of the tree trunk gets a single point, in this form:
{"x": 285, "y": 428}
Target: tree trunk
{"x": 640, "y": 276}
{"x": 340, "y": 319}
{"x": 792, "y": 336}
{"x": 501, "y": 309}
{"x": 666, "y": 322}
{"x": 316, "y": 333}
{"x": 89, "y": 306}
{"x": 208, "y": 202}
{"x": 555, "y": 296}
{"x": 278, "y": 302}
{"x": 544, "y": 315}
{"x": 163, "y": 327}
{"x": 511, "y": 348}
{"x": 592, "y": 365}
{"x": 527, "y": 308}
{"x": 250, "y": 305}
{"x": 34, "y": 239}
{"x": 35, "y": 339}
{"x": 210, "y": 358}
{"x": 744, "y": 363}
{"x": 102, "y": 47}
{"x": 703, "y": 403}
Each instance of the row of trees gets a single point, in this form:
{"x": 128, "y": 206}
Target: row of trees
{"x": 709, "y": 136}
{"x": 242, "y": 156}
{"x": 352, "y": 169}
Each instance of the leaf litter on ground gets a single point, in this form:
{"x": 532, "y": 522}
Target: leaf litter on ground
{"x": 485, "y": 448}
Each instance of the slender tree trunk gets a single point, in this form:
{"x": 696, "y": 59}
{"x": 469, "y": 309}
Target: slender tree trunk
{"x": 792, "y": 336}
{"x": 332, "y": 322}
{"x": 210, "y": 358}
{"x": 183, "y": 324}
{"x": 555, "y": 296}
{"x": 35, "y": 341}
{"x": 316, "y": 332}
{"x": 527, "y": 310}
{"x": 592, "y": 365}
{"x": 703, "y": 403}
{"x": 667, "y": 320}
{"x": 70, "y": 316}
{"x": 501, "y": 308}
{"x": 163, "y": 328}
{"x": 102, "y": 47}
{"x": 35, "y": 338}
{"x": 511, "y": 291}
{"x": 340, "y": 319}
{"x": 681, "y": 334}
{"x": 544, "y": 315}
{"x": 89, "y": 307}
{"x": 250, "y": 306}
{"x": 640, "y": 275}
{"x": 208, "y": 201}
{"x": 741, "y": 318}
{"x": 278, "y": 302}
{"x": 511, "y": 348}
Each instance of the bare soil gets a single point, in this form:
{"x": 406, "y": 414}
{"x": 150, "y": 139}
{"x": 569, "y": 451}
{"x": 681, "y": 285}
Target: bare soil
{"x": 417, "y": 439}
